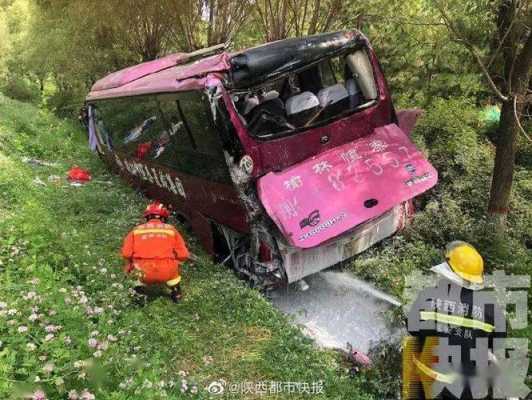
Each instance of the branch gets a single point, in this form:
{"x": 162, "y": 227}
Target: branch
{"x": 501, "y": 42}
{"x": 485, "y": 71}
{"x": 468, "y": 45}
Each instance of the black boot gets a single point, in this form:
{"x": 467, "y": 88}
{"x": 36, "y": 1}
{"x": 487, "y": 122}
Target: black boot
{"x": 176, "y": 294}
{"x": 140, "y": 298}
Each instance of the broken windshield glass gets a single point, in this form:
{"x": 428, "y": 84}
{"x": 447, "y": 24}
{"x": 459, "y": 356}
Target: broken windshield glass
{"x": 316, "y": 94}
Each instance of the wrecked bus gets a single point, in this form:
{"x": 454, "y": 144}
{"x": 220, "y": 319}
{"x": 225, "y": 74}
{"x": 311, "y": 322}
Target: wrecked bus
{"x": 284, "y": 159}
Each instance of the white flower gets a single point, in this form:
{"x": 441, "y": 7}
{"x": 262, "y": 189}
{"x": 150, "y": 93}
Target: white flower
{"x": 38, "y": 395}
{"x": 112, "y": 338}
{"x": 31, "y": 347}
{"x": 147, "y": 384}
{"x": 103, "y": 345}
{"x": 33, "y": 317}
{"x": 95, "y": 333}
{"x": 35, "y": 281}
{"x": 97, "y": 354}
{"x": 73, "y": 395}
{"x": 51, "y": 313}
{"x": 194, "y": 389}
{"x": 12, "y": 311}
{"x": 93, "y": 343}
{"x": 1, "y": 344}
{"x": 103, "y": 270}
{"x": 51, "y": 328}
{"x": 82, "y": 375}
{"x": 62, "y": 290}
{"x": 48, "y": 368}
{"x": 3, "y": 305}
{"x": 22, "y": 329}
{"x": 11, "y": 322}
{"x": 86, "y": 395}
{"x": 68, "y": 340}
{"x": 49, "y": 337}
{"x": 182, "y": 374}
{"x": 29, "y": 295}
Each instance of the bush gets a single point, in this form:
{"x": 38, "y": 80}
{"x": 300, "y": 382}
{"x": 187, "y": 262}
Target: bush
{"x": 20, "y": 88}
{"x": 453, "y": 137}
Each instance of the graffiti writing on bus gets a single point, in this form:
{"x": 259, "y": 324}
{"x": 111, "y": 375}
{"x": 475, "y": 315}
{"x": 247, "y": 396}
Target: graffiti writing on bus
{"x": 351, "y": 164}
{"x": 153, "y": 175}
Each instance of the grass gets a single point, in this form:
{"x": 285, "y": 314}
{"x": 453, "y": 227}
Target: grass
{"x": 67, "y": 320}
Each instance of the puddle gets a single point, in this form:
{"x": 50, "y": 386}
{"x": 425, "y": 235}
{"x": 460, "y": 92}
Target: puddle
{"x": 338, "y": 308}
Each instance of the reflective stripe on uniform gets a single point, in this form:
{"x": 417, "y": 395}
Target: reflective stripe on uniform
{"x": 456, "y": 320}
{"x": 163, "y": 231}
{"x": 174, "y": 282}
{"x": 437, "y": 376}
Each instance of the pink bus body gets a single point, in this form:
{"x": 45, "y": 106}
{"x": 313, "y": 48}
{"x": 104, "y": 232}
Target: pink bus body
{"x": 284, "y": 159}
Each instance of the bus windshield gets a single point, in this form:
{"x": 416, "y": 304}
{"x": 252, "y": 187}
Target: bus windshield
{"x": 314, "y": 95}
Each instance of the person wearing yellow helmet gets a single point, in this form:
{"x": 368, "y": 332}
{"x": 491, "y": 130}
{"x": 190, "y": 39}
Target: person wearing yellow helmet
{"x": 452, "y": 315}
{"x": 463, "y": 265}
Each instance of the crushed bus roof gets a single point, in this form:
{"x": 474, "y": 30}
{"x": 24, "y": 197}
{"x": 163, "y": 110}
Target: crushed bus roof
{"x": 175, "y": 72}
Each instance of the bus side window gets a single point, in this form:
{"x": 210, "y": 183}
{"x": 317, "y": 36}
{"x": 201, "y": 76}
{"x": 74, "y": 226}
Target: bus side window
{"x": 177, "y": 150}
{"x": 197, "y": 119}
{"x": 133, "y": 125}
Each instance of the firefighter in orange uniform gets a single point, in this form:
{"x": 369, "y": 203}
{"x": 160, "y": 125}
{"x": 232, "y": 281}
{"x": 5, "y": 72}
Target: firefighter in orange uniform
{"x": 154, "y": 251}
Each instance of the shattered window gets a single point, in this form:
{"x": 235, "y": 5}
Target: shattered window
{"x": 316, "y": 94}
{"x": 130, "y": 124}
{"x": 208, "y": 160}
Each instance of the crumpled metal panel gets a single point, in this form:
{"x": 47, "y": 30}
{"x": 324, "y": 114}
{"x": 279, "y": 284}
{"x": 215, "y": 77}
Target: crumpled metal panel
{"x": 264, "y": 62}
{"x": 331, "y": 193}
{"x": 300, "y": 263}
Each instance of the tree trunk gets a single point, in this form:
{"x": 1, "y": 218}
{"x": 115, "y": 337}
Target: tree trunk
{"x": 506, "y": 144}
{"x": 503, "y": 170}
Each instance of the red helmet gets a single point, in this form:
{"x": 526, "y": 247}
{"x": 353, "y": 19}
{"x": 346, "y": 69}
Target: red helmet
{"x": 156, "y": 209}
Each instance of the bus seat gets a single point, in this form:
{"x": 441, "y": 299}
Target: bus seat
{"x": 332, "y": 95}
{"x": 301, "y": 107}
{"x": 267, "y": 118}
{"x": 334, "y": 99}
{"x": 355, "y": 96}
{"x": 249, "y": 104}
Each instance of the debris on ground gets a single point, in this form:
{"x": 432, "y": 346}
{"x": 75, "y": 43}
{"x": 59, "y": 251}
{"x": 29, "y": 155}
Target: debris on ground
{"x": 38, "y": 162}
{"x": 357, "y": 359}
{"x": 78, "y": 176}
{"x": 38, "y": 181}
{"x": 54, "y": 179}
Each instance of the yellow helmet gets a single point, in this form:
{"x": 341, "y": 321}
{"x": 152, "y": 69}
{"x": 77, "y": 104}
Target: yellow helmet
{"x": 465, "y": 261}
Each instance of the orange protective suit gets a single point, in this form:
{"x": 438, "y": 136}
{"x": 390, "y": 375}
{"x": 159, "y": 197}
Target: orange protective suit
{"x": 154, "y": 251}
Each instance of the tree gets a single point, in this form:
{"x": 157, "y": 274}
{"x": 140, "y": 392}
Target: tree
{"x": 507, "y": 71}
{"x": 280, "y": 19}
{"x": 225, "y": 17}
{"x": 314, "y": 16}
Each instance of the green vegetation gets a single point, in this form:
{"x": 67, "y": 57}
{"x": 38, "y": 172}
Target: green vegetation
{"x": 67, "y": 320}
{"x": 76, "y": 325}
